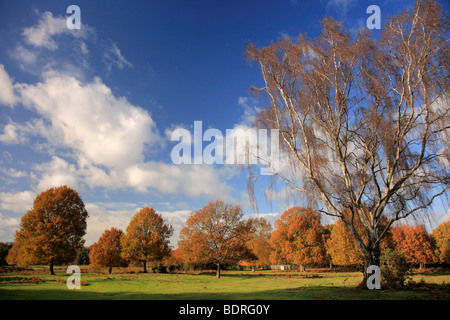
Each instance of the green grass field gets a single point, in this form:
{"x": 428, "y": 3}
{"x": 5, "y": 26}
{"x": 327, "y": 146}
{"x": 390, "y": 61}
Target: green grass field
{"x": 240, "y": 285}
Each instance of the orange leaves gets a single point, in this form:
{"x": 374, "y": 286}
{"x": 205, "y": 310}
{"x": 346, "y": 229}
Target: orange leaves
{"x": 259, "y": 242}
{"x": 414, "y": 243}
{"x": 147, "y": 237}
{"x": 442, "y": 237}
{"x": 298, "y": 238}
{"x": 106, "y": 252}
{"x": 52, "y": 231}
{"x": 215, "y": 234}
{"x": 342, "y": 247}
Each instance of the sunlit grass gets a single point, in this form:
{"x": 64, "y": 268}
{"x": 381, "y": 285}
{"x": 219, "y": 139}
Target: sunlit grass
{"x": 271, "y": 285}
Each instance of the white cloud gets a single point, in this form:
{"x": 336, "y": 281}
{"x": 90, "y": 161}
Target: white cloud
{"x": 11, "y": 135}
{"x": 177, "y": 219}
{"x": 88, "y": 118}
{"x": 13, "y": 173}
{"x": 7, "y": 227}
{"x": 19, "y": 202}
{"x": 57, "y": 172}
{"x": 251, "y": 110}
{"x": 6, "y": 88}
{"x": 83, "y": 48}
{"x": 8, "y": 223}
{"x": 191, "y": 180}
{"x": 16, "y": 133}
{"x": 104, "y": 216}
{"x": 92, "y": 137}
{"x": 48, "y": 26}
{"x": 99, "y": 140}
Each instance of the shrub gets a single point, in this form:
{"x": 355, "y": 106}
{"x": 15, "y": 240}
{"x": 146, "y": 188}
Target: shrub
{"x": 172, "y": 268}
{"x": 395, "y": 269}
{"x": 159, "y": 269}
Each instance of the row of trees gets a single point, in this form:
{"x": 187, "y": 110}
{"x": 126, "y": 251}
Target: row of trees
{"x": 216, "y": 235}
{"x": 299, "y": 238}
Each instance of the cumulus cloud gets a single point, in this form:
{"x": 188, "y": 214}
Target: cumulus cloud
{"x": 91, "y": 137}
{"x": 101, "y": 139}
{"x": 56, "y": 172}
{"x": 18, "y": 202}
{"x": 48, "y": 27}
{"x": 6, "y": 88}
{"x": 104, "y": 216}
{"x": 13, "y": 173}
{"x": 7, "y": 226}
{"x": 190, "y": 180}
{"x": 11, "y": 135}
{"x": 89, "y": 119}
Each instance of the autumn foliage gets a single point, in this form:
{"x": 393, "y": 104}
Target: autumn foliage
{"x": 441, "y": 235}
{"x": 259, "y": 242}
{"x": 216, "y": 234}
{"x": 52, "y": 231}
{"x": 106, "y": 252}
{"x": 298, "y": 238}
{"x": 342, "y": 247}
{"x": 414, "y": 243}
{"x": 147, "y": 238}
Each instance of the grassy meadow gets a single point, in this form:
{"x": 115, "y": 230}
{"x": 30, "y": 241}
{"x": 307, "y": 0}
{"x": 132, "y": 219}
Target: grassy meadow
{"x": 131, "y": 283}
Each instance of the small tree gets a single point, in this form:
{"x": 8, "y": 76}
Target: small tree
{"x": 395, "y": 269}
{"x": 52, "y": 231}
{"x": 298, "y": 238}
{"x": 414, "y": 243}
{"x": 106, "y": 252}
{"x": 13, "y": 255}
{"x": 147, "y": 237}
{"x": 83, "y": 256}
{"x": 259, "y": 242}
{"x": 342, "y": 247}
{"x": 216, "y": 234}
{"x": 4, "y": 248}
{"x": 441, "y": 236}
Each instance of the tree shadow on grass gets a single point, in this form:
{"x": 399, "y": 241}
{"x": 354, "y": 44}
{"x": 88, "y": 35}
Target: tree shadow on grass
{"x": 436, "y": 292}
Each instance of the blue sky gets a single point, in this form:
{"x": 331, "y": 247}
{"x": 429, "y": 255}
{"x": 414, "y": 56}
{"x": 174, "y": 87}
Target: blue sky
{"x": 94, "y": 108}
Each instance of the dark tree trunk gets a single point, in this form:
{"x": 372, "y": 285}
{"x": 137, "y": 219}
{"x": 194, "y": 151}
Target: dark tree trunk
{"x": 109, "y": 270}
{"x": 51, "y": 267}
{"x": 145, "y": 266}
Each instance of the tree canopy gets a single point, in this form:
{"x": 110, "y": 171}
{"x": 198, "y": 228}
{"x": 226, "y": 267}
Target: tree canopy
{"x": 52, "y": 231}
{"x": 216, "y": 234}
{"x": 147, "y": 237}
{"x": 107, "y": 251}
